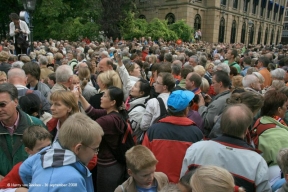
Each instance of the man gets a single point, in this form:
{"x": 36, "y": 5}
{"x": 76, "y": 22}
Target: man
{"x": 193, "y": 60}
{"x": 32, "y": 71}
{"x": 13, "y": 122}
{"x": 72, "y": 59}
{"x": 193, "y": 82}
{"x": 184, "y": 72}
{"x": 220, "y": 82}
{"x": 262, "y": 66}
{"x": 170, "y": 138}
{"x": 164, "y": 84}
{"x": 145, "y": 52}
{"x": 246, "y": 64}
{"x": 230, "y": 59}
{"x": 17, "y": 77}
{"x": 231, "y": 152}
{"x": 45, "y": 71}
{"x": 81, "y": 58}
{"x": 64, "y": 75}
{"x": 252, "y": 83}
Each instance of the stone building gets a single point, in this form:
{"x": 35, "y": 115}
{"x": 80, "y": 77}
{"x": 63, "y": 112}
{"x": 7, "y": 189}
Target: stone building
{"x": 284, "y": 39}
{"x": 228, "y": 21}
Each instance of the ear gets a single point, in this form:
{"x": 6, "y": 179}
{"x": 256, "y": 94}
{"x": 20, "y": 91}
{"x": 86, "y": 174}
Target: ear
{"x": 129, "y": 171}
{"x": 76, "y": 148}
{"x": 16, "y": 102}
{"x": 141, "y": 93}
{"x": 29, "y": 151}
{"x": 113, "y": 103}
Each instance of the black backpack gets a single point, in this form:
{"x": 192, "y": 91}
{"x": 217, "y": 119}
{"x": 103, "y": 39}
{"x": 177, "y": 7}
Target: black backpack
{"x": 163, "y": 111}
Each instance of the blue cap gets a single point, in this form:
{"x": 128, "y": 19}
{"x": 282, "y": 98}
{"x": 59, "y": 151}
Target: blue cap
{"x": 180, "y": 100}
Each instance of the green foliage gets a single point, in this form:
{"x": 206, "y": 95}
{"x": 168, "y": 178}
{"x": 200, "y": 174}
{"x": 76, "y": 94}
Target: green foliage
{"x": 182, "y": 29}
{"x": 159, "y": 29}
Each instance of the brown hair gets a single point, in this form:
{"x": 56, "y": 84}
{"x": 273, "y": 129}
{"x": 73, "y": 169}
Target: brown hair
{"x": 68, "y": 98}
{"x": 34, "y": 133}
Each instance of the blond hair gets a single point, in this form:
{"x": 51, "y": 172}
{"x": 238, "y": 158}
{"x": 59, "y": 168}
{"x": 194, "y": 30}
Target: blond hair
{"x": 208, "y": 65}
{"x": 204, "y": 85}
{"x": 79, "y": 128}
{"x": 212, "y": 179}
{"x": 2, "y": 73}
{"x": 68, "y": 98}
{"x": 110, "y": 78}
{"x": 140, "y": 157}
{"x": 282, "y": 160}
{"x": 200, "y": 70}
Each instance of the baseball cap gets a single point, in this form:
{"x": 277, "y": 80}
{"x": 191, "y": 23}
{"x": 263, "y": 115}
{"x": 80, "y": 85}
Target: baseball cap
{"x": 179, "y": 100}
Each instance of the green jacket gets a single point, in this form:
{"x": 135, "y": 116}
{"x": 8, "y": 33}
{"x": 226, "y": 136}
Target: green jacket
{"x": 182, "y": 84}
{"x": 234, "y": 64}
{"x": 11, "y": 147}
{"x": 272, "y": 140}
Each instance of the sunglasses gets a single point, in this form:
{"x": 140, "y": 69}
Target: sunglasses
{"x": 3, "y": 104}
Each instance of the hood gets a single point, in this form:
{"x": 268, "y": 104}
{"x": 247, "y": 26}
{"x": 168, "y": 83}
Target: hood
{"x": 130, "y": 104}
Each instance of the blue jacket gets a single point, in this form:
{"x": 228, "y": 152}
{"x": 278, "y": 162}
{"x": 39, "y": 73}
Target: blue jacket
{"x": 55, "y": 169}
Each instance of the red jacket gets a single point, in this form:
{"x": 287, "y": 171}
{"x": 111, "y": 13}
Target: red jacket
{"x": 12, "y": 179}
{"x": 169, "y": 140}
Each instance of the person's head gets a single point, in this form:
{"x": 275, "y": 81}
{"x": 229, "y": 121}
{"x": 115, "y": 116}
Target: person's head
{"x": 179, "y": 102}
{"x": 231, "y": 54}
{"x": 64, "y": 74}
{"x": 133, "y": 69}
{"x": 209, "y": 68}
{"x": 43, "y": 60}
{"x": 51, "y": 79}
{"x": 176, "y": 69}
{"x": 140, "y": 89}
{"x": 220, "y": 81}
{"x": 32, "y": 71}
{"x": 184, "y": 182}
{"x": 141, "y": 165}
{"x": 212, "y": 179}
{"x": 31, "y": 105}
{"x": 262, "y": 62}
{"x": 278, "y": 74}
{"x": 282, "y": 161}
{"x": 168, "y": 57}
{"x": 112, "y": 98}
{"x": 14, "y": 18}
{"x": 105, "y": 64}
{"x": 247, "y": 61}
{"x": 107, "y": 79}
{"x": 252, "y": 100}
{"x": 185, "y": 71}
{"x": 17, "y": 76}
{"x": 82, "y": 135}
{"x": 165, "y": 82}
{"x": 200, "y": 70}
{"x": 193, "y": 60}
{"x": 237, "y": 81}
{"x": 3, "y": 77}
{"x": 36, "y": 138}
{"x": 193, "y": 81}
{"x": 275, "y": 103}
{"x": 277, "y": 84}
{"x": 223, "y": 67}
{"x": 75, "y": 82}
{"x": 251, "y": 81}
{"x": 84, "y": 76}
{"x": 63, "y": 104}
{"x": 8, "y": 102}
{"x": 4, "y": 56}
{"x": 236, "y": 119}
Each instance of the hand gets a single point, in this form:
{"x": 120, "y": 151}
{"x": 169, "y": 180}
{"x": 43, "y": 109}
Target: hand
{"x": 118, "y": 59}
{"x": 76, "y": 90}
{"x": 201, "y": 100}
{"x": 207, "y": 98}
{"x": 17, "y": 31}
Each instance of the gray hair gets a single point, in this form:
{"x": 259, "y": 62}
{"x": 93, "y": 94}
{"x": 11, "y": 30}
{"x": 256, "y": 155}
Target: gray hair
{"x": 223, "y": 67}
{"x": 278, "y": 74}
{"x": 17, "y": 64}
{"x": 203, "y": 60}
{"x": 32, "y": 55}
{"x": 195, "y": 57}
{"x": 248, "y": 80}
{"x": 63, "y": 73}
{"x": 10, "y": 89}
{"x": 181, "y": 58}
{"x": 43, "y": 60}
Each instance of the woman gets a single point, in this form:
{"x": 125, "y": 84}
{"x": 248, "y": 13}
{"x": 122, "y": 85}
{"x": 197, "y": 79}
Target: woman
{"x": 3, "y": 77}
{"x": 63, "y": 104}
{"x": 4, "y": 65}
{"x": 104, "y": 80}
{"x": 86, "y": 85}
{"x": 213, "y": 179}
{"x": 112, "y": 118}
{"x": 209, "y": 72}
{"x": 135, "y": 105}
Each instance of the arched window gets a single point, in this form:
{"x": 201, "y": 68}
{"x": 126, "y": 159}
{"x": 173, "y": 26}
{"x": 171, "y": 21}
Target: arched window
{"x": 266, "y": 36}
{"x": 243, "y": 32}
{"x": 233, "y": 32}
{"x": 142, "y": 17}
{"x": 277, "y": 37}
{"x": 221, "y": 30}
{"x": 251, "y": 35}
{"x": 235, "y": 4}
{"x": 259, "y": 35}
{"x": 170, "y": 17}
{"x": 272, "y": 37}
{"x": 197, "y": 22}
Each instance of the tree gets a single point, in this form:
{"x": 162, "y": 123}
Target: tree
{"x": 159, "y": 29}
{"x": 182, "y": 29}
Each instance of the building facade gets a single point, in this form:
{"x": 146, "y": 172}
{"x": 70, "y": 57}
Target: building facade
{"x": 284, "y": 39}
{"x": 227, "y": 21}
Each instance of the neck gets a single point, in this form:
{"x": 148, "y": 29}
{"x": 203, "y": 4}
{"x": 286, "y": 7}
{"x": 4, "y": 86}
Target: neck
{"x": 111, "y": 110}
{"x": 66, "y": 84}
{"x": 33, "y": 83}
{"x": 62, "y": 120}
{"x": 231, "y": 61}
{"x": 223, "y": 89}
{"x": 11, "y": 121}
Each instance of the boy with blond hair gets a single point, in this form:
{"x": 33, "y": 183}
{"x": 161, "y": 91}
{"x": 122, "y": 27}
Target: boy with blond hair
{"x": 141, "y": 165}
{"x": 63, "y": 166}
{"x": 34, "y": 138}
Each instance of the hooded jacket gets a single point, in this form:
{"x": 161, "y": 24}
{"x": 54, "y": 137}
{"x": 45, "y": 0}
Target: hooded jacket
{"x": 55, "y": 169}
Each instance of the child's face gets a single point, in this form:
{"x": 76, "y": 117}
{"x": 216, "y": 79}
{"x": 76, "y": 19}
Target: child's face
{"x": 144, "y": 178}
{"x": 40, "y": 144}
{"x": 86, "y": 153}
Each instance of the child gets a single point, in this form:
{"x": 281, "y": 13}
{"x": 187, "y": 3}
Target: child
{"x": 141, "y": 164}
{"x": 62, "y": 167}
{"x": 35, "y": 138}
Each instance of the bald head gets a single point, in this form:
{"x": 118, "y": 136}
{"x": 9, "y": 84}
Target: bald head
{"x": 105, "y": 64}
{"x": 17, "y": 76}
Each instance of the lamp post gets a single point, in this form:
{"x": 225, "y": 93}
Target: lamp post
{"x": 29, "y": 6}
{"x": 250, "y": 23}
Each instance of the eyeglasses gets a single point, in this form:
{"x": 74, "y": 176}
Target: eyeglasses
{"x": 158, "y": 83}
{"x": 96, "y": 150}
{"x": 3, "y": 104}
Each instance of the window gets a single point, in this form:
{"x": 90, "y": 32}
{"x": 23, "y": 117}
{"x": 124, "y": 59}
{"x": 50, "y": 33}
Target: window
{"x": 272, "y": 36}
{"x": 235, "y": 4}
{"x": 277, "y": 37}
{"x": 243, "y": 32}
{"x": 270, "y": 6}
{"x": 233, "y": 32}
{"x": 255, "y": 4}
{"x": 170, "y": 17}
{"x": 259, "y": 35}
{"x": 251, "y": 34}
{"x": 197, "y": 22}
{"x": 245, "y": 7}
{"x": 266, "y": 36}
{"x": 221, "y": 30}
{"x": 263, "y": 7}
{"x": 223, "y": 2}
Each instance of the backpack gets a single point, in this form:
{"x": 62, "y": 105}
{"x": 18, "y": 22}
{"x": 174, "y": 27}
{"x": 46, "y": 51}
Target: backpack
{"x": 163, "y": 111}
{"x": 21, "y": 40}
{"x": 137, "y": 133}
{"x": 126, "y": 142}
{"x": 258, "y": 129}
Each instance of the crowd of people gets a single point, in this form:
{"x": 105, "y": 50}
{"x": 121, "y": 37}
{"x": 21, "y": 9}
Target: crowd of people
{"x": 204, "y": 117}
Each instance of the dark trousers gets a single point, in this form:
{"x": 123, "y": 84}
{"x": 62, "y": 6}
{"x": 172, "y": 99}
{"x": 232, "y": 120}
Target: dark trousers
{"x": 20, "y": 50}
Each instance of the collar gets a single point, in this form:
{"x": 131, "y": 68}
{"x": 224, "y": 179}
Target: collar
{"x": 196, "y": 91}
{"x": 184, "y": 121}
{"x": 13, "y": 127}
{"x": 20, "y": 87}
{"x": 221, "y": 94}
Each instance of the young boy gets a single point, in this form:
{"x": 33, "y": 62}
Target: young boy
{"x": 282, "y": 161}
{"x": 141, "y": 164}
{"x": 35, "y": 138}
{"x": 63, "y": 166}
